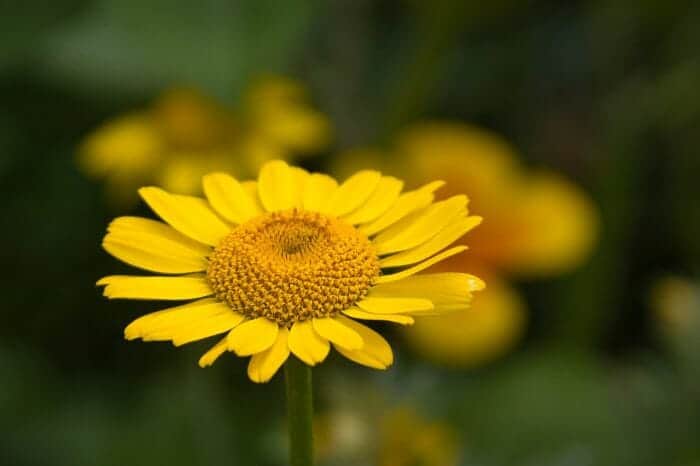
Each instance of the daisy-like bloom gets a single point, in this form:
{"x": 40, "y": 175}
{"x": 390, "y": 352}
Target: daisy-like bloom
{"x": 538, "y": 224}
{"x": 185, "y": 134}
{"x": 290, "y": 263}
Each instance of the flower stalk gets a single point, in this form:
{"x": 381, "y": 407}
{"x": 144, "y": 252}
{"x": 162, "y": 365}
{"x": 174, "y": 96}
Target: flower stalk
{"x": 299, "y": 411}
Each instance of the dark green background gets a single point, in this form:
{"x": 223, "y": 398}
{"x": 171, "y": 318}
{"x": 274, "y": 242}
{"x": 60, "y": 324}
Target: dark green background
{"x": 604, "y": 91}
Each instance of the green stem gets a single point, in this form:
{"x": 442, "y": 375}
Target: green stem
{"x": 300, "y": 412}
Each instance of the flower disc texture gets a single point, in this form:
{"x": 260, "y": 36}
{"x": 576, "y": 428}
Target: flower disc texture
{"x": 289, "y": 264}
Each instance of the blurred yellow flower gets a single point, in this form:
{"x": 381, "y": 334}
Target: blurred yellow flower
{"x": 537, "y": 224}
{"x": 185, "y": 134}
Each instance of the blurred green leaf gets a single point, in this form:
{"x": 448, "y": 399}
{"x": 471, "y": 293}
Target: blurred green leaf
{"x": 544, "y": 407}
{"x": 132, "y": 46}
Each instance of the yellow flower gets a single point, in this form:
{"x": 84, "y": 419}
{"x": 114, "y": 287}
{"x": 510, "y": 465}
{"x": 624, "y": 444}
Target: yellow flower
{"x": 537, "y": 224}
{"x": 185, "y": 135}
{"x": 288, "y": 263}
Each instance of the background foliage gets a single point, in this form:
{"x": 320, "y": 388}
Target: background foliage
{"x": 603, "y": 91}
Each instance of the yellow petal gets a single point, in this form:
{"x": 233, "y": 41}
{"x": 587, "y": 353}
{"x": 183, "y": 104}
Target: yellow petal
{"x": 154, "y": 246}
{"x": 317, "y": 191}
{"x": 207, "y": 328}
{"x": 301, "y": 177}
{"x": 364, "y": 315}
{"x": 447, "y": 291}
{"x": 360, "y": 357}
{"x": 263, "y": 366}
{"x": 418, "y": 267}
{"x": 213, "y": 354}
{"x": 391, "y": 305}
{"x": 167, "y": 322}
{"x": 306, "y": 344}
{"x": 253, "y": 336}
{"x": 353, "y": 192}
{"x": 280, "y": 186}
{"x": 383, "y": 197}
{"x": 153, "y": 227}
{"x": 471, "y": 337}
{"x": 167, "y": 288}
{"x": 189, "y": 215}
{"x": 375, "y": 353}
{"x": 404, "y": 205}
{"x": 229, "y": 198}
{"x": 447, "y": 236}
{"x": 336, "y": 330}
{"x": 420, "y": 227}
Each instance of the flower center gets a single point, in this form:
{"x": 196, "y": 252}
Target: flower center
{"x": 292, "y": 266}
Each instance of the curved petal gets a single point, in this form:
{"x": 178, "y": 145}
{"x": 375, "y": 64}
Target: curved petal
{"x": 167, "y": 323}
{"x": 228, "y": 197}
{"x": 418, "y": 267}
{"x": 391, "y": 305}
{"x": 251, "y": 187}
{"x": 205, "y": 329}
{"x": 385, "y": 194}
{"x": 375, "y": 353}
{"x": 148, "y": 226}
{"x": 358, "y": 313}
{"x": 189, "y": 215}
{"x": 419, "y": 228}
{"x": 263, "y": 366}
{"x": 166, "y": 288}
{"x": 353, "y": 192}
{"x": 447, "y": 236}
{"x": 213, "y": 354}
{"x": 317, "y": 191}
{"x": 404, "y": 205}
{"x": 447, "y": 291}
{"x": 280, "y": 186}
{"x": 306, "y": 344}
{"x": 154, "y": 246}
{"x": 472, "y": 336}
{"x": 253, "y": 336}
{"x": 335, "y": 330}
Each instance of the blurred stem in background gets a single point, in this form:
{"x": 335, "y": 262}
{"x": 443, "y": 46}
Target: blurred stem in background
{"x": 300, "y": 412}
{"x": 439, "y": 23}
{"x": 592, "y": 299}
{"x": 649, "y": 106}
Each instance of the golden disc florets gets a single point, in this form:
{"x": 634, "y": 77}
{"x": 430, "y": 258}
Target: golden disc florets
{"x": 292, "y": 266}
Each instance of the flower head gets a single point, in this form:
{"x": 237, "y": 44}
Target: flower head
{"x": 185, "y": 134}
{"x": 290, "y": 263}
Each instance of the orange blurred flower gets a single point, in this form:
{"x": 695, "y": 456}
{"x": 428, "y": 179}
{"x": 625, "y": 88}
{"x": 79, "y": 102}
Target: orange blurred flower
{"x": 536, "y": 224}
